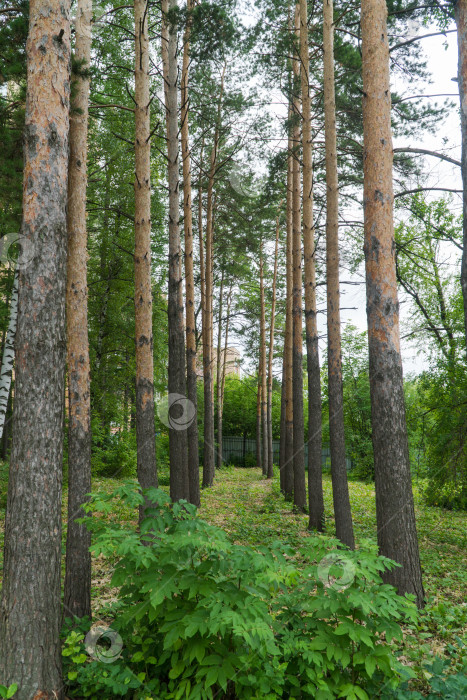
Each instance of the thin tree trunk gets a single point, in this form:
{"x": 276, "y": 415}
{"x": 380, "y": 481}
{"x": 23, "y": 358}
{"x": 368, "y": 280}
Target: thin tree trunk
{"x": 77, "y": 586}
{"x": 30, "y": 608}
{"x": 209, "y": 454}
{"x": 395, "y": 516}
{"x": 259, "y": 460}
{"x": 288, "y": 345}
{"x": 178, "y": 443}
{"x": 145, "y": 428}
{"x": 191, "y": 382}
{"x": 340, "y": 488}
{"x": 461, "y": 22}
{"x": 8, "y": 354}
{"x": 264, "y": 379}
{"x": 299, "y": 496}
{"x": 270, "y": 469}
{"x": 218, "y": 370}
{"x": 282, "y": 427}
{"x": 224, "y": 369}
{"x": 315, "y": 479}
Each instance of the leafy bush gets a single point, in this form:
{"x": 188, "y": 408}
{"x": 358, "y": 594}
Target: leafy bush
{"x": 201, "y": 617}
{"x": 442, "y": 684}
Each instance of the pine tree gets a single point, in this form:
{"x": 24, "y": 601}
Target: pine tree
{"x": 30, "y": 649}
{"x": 315, "y": 482}
{"x": 178, "y": 445}
{"x": 192, "y": 394}
{"x": 299, "y": 492}
{"x": 340, "y": 489}
{"x": 270, "y": 469}
{"x": 395, "y": 515}
{"x": 77, "y": 587}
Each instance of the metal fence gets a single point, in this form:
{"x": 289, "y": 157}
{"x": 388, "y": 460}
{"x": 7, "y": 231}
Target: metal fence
{"x": 241, "y": 452}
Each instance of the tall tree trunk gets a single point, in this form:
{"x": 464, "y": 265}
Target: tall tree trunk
{"x": 8, "y": 354}
{"x": 178, "y": 443}
{"x": 218, "y": 370}
{"x": 282, "y": 427}
{"x": 395, "y": 516}
{"x": 315, "y": 478}
{"x": 263, "y": 378}
{"x": 288, "y": 344}
{"x": 461, "y": 22}
{"x": 30, "y": 608}
{"x": 340, "y": 488}
{"x": 77, "y": 587}
{"x": 145, "y": 428}
{"x": 208, "y": 461}
{"x": 270, "y": 469}
{"x": 299, "y": 495}
{"x": 259, "y": 457}
{"x": 224, "y": 370}
{"x": 191, "y": 382}
{"x": 209, "y": 454}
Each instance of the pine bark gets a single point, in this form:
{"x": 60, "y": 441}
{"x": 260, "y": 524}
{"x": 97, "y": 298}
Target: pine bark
{"x": 282, "y": 427}
{"x": 397, "y": 534}
{"x": 299, "y": 495}
{"x": 77, "y": 586}
{"x": 191, "y": 381}
{"x": 288, "y": 345}
{"x": 259, "y": 450}
{"x": 218, "y": 371}
{"x": 315, "y": 479}
{"x": 270, "y": 469}
{"x": 220, "y": 421}
{"x": 145, "y": 427}
{"x": 263, "y": 377}
{"x": 461, "y": 22}
{"x": 340, "y": 488}
{"x": 209, "y": 454}
{"x": 178, "y": 443}
{"x": 30, "y": 608}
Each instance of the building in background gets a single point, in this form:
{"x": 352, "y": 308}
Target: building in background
{"x": 232, "y": 363}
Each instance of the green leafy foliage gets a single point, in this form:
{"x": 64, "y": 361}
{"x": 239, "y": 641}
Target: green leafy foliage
{"x": 202, "y": 617}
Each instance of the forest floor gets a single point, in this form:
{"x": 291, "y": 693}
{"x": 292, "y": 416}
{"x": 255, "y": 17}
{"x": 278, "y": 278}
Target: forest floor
{"x": 253, "y": 511}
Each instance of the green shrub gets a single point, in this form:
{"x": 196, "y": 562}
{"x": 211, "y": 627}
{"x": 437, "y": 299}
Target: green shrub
{"x": 201, "y": 617}
{"x": 113, "y": 454}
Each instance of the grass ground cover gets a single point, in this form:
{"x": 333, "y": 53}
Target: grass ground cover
{"x": 252, "y": 511}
